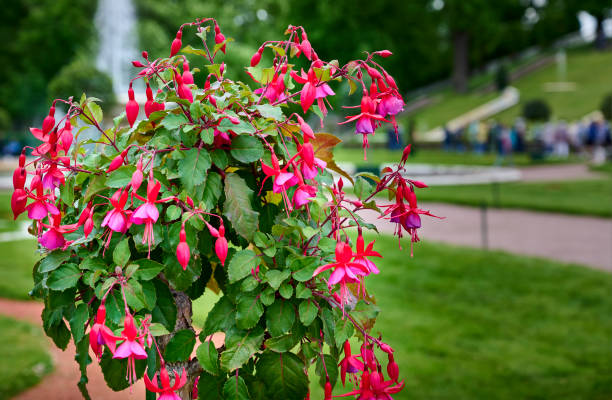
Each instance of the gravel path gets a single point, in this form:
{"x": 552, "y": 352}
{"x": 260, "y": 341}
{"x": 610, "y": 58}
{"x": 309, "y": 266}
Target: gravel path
{"x": 559, "y": 172}
{"x": 566, "y": 238}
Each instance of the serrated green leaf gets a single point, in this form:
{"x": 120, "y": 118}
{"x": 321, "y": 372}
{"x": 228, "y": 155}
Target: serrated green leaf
{"x": 237, "y": 207}
{"x": 302, "y": 292}
{"x": 147, "y": 269}
{"x": 208, "y": 357}
{"x": 212, "y": 190}
{"x": 241, "y": 264}
{"x": 246, "y": 149}
{"x": 193, "y": 167}
{"x": 64, "y": 277}
{"x": 67, "y": 192}
{"x": 280, "y": 317}
{"x": 121, "y": 253}
{"x": 308, "y": 311}
{"x": 276, "y": 277}
{"x": 249, "y": 311}
{"x": 165, "y": 308}
{"x": 53, "y": 260}
{"x": 235, "y": 389}
{"x": 240, "y": 347}
{"x": 77, "y": 322}
{"x": 120, "y": 177}
{"x": 174, "y": 121}
{"x": 283, "y": 375}
{"x": 179, "y": 348}
{"x": 286, "y": 290}
{"x": 270, "y": 111}
{"x": 221, "y": 317}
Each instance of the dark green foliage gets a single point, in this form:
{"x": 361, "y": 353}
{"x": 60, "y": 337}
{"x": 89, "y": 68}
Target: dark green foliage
{"x": 536, "y": 110}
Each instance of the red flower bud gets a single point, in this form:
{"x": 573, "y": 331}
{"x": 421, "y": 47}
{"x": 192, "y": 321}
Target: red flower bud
{"x": 149, "y": 107}
{"x": 221, "y": 249}
{"x": 187, "y": 75}
{"x": 19, "y": 178}
{"x": 182, "y": 250}
{"x": 22, "y": 158}
{"x": 256, "y": 57}
{"x": 189, "y": 202}
{"x": 308, "y": 133}
{"x": 176, "y": 44}
{"x": 117, "y": 161}
{"x": 131, "y": 108}
{"x": 392, "y": 369}
{"x": 374, "y": 74}
{"x": 137, "y": 64}
{"x": 222, "y": 68}
{"x": 137, "y": 176}
{"x": 49, "y": 121}
{"x": 220, "y": 38}
{"x": 328, "y": 391}
{"x": 66, "y": 137}
{"x": 88, "y": 227}
{"x": 145, "y": 55}
{"x": 384, "y": 53}
{"x": 306, "y": 48}
{"x": 18, "y": 202}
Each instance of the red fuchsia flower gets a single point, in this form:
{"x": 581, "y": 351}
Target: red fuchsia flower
{"x": 66, "y": 136}
{"x": 117, "y": 218}
{"x": 43, "y": 204}
{"x": 54, "y": 237}
{"x": 182, "y": 89}
{"x": 187, "y": 75}
{"x": 373, "y": 387}
{"x": 167, "y": 391}
{"x": 86, "y": 219}
{"x": 328, "y": 391}
{"x": 219, "y": 37}
{"x": 282, "y": 180}
{"x": 306, "y": 129}
{"x": 45, "y": 147}
{"x": 131, "y": 348}
{"x": 149, "y": 106}
{"x": 392, "y": 368}
{"x": 313, "y": 88}
{"x": 131, "y": 107}
{"x": 100, "y": 335}
{"x": 19, "y": 199}
{"x": 275, "y": 90}
{"x": 366, "y": 120}
{"x": 362, "y": 253}
{"x": 182, "y": 250}
{"x": 137, "y": 176}
{"x": 49, "y": 121}
{"x": 147, "y": 213}
{"x": 309, "y": 164}
{"x": 176, "y": 43}
{"x": 256, "y": 57}
{"x": 345, "y": 271}
{"x": 349, "y": 364}
{"x": 221, "y": 242}
{"x": 53, "y": 178}
{"x": 303, "y": 194}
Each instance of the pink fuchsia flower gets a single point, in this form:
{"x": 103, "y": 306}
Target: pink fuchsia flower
{"x": 366, "y": 120}
{"x": 53, "y": 178}
{"x": 344, "y": 271}
{"x": 282, "y": 180}
{"x": 187, "y": 75}
{"x": 53, "y": 238}
{"x": 349, "y": 364}
{"x": 362, "y": 253}
{"x": 131, "y": 348}
{"x": 42, "y": 205}
{"x": 147, "y": 213}
{"x": 49, "y": 121}
{"x": 275, "y": 90}
{"x": 167, "y": 391}
{"x": 221, "y": 242}
{"x": 313, "y": 88}
{"x": 176, "y": 43}
{"x": 303, "y": 195}
{"x": 182, "y": 250}
{"x": 117, "y": 218}
{"x": 66, "y": 137}
{"x": 100, "y": 335}
{"x": 373, "y": 387}
{"x": 309, "y": 164}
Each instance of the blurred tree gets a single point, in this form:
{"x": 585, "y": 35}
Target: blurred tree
{"x": 39, "y": 37}
{"x": 600, "y": 9}
{"x": 82, "y": 76}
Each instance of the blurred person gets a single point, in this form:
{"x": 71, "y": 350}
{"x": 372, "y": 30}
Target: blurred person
{"x": 520, "y": 132}
{"x": 561, "y": 140}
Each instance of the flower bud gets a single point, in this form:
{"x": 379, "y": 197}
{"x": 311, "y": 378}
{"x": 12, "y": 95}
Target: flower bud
{"x": 220, "y": 38}
{"x": 131, "y": 108}
{"x": 328, "y": 391}
{"x": 49, "y": 121}
{"x": 308, "y": 133}
{"x": 19, "y": 178}
{"x": 384, "y": 53}
{"x": 22, "y": 158}
{"x": 306, "y": 48}
{"x": 137, "y": 176}
{"x": 137, "y": 64}
{"x": 66, "y": 136}
{"x": 145, "y": 55}
{"x": 18, "y": 202}
{"x": 221, "y": 249}
{"x": 256, "y": 57}
{"x": 116, "y": 163}
{"x": 182, "y": 250}
{"x": 187, "y": 75}
{"x": 88, "y": 227}
{"x": 176, "y": 44}
{"x": 392, "y": 369}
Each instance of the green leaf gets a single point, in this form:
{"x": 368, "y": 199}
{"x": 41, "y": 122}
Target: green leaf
{"x": 219, "y": 158}
{"x": 283, "y": 375}
{"x": 147, "y": 269}
{"x": 331, "y": 366}
{"x": 286, "y": 290}
{"x": 221, "y": 317}
{"x": 212, "y": 190}
{"x": 302, "y": 292}
{"x": 67, "y": 192}
{"x": 77, "y": 322}
{"x": 158, "y": 329}
{"x": 53, "y": 260}
{"x": 275, "y": 277}
{"x": 93, "y": 264}
{"x": 270, "y": 111}
{"x": 96, "y": 184}
{"x": 329, "y": 326}
{"x": 193, "y": 167}
{"x": 64, "y": 277}
{"x": 208, "y": 357}
{"x": 246, "y": 149}
{"x": 237, "y": 207}
{"x": 165, "y": 309}
{"x": 179, "y": 348}
{"x": 114, "y": 369}
{"x": 267, "y": 296}
{"x": 92, "y": 111}
{"x": 240, "y": 346}
{"x": 249, "y": 311}
{"x": 240, "y": 128}
{"x": 211, "y": 385}
{"x": 55, "y": 327}
{"x": 82, "y": 358}
{"x": 304, "y": 268}
{"x": 241, "y": 264}
{"x": 281, "y": 344}
{"x": 120, "y": 177}
{"x": 121, "y": 254}
{"x": 280, "y": 317}
{"x": 344, "y": 330}
{"x": 308, "y": 311}
{"x": 235, "y": 389}
{"x": 174, "y": 121}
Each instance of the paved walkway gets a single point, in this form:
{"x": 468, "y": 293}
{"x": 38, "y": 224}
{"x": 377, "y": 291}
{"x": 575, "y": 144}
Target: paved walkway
{"x": 573, "y": 239}
{"x": 560, "y": 172}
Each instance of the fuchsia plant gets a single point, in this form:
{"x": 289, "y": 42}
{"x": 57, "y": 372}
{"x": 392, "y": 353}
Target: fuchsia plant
{"x": 239, "y": 200}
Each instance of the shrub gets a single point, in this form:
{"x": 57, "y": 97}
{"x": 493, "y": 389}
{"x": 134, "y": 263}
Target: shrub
{"x": 81, "y": 76}
{"x": 536, "y": 110}
{"x": 606, "y": 107}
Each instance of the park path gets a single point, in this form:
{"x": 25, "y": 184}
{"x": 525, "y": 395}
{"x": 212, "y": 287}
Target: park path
{"x": 559, "y": 172}
{"x": 573, "y": 239}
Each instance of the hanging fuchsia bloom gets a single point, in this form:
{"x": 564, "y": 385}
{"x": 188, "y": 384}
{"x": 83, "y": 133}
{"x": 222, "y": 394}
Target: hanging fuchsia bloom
{"x": 53, "y": 178}
{"x": 66, "y": 136}
{"x": 147, "y": 213}
{"x": 374, "y": 387}
{"x": 366, "y": 120}
{"x": 43, "y": 204}
{"x": 349, "y": 364}
{"x": 137, "y": 176}
{"x": 182, "y": 89}
{"x": 345, "y": 271}
{"x": 221, "y": 242}
{"x": 187, "y": 75}
{"x": 309, "y": 164}
{"x": 362, "y": 253}
{"x": 219, "y": 37}
{"x": 117, "y": 218}
{"x": 167, "y": 391}
{"x": 49, "y": 121}
{"x": 275, "y": 90}
{"x": 176, "y": 43}
{"x": 256, "y": 57}
{"x": 131, "y": 107}
{"x": 54, "y": 237}
{"x": 182, "y": 250}
{"x": 100, "y": 335}
{"x": 149, "y": 106}
{"x": 313, "y": 88}
{"x": 303, "y": 195}
{"x": 131, "y": 347}
{"x": 283, "y": 180}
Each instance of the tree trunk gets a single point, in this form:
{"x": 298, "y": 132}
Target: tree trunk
{"x": 460, "y": 61}
{"x": 183, "y": 321}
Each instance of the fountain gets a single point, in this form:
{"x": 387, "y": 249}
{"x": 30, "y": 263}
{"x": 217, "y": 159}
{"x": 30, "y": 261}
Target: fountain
{"x": 115, "y": 21}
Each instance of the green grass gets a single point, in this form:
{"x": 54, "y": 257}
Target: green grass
{"x": 23, "y": 351}
{"x": 377, "y": 156}
{"x": 584, "y": 197}
{"x": 16, "y": 264}
{"x": 588, "y": 69}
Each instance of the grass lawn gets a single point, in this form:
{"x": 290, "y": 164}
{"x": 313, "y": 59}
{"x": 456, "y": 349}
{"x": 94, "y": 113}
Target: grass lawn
{"x": 23, "y": 351}
{"x": 586, "y": 197}
{"x": 378, "y": 156}
{"x": 16, "y": 264}
{"x": 588, "y": 69}
{"x": 471, "y": 324}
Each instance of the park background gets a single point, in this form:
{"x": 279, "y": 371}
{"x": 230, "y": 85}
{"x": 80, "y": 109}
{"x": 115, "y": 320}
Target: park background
{"x": 508, "y": 109}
